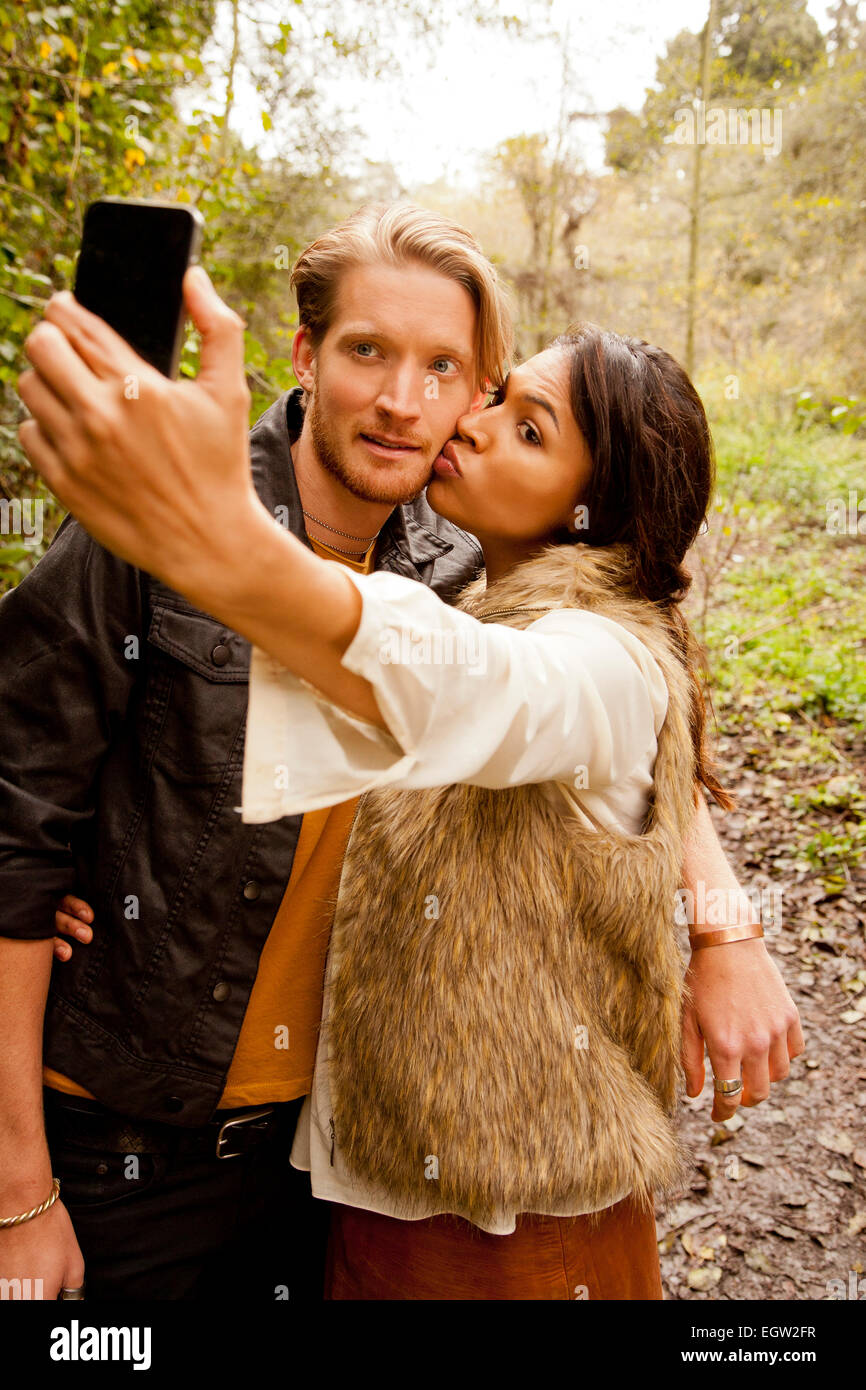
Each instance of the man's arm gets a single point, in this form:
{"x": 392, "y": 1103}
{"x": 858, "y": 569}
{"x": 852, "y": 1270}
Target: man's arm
{"x": 65, "y": 684}
{"x": 44, "y": 1248}
{"x": 740, "y": 1006}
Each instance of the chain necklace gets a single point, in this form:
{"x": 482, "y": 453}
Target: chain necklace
{"x": 353, "y": 554}
{"x": 347, "y": 534}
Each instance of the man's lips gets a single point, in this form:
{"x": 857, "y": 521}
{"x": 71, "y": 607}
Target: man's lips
{"x": 389, "y": 446}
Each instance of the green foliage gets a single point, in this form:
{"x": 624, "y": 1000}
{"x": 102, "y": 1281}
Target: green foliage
{"x": 95, "y": 101}
{"x": 783, "y": 613}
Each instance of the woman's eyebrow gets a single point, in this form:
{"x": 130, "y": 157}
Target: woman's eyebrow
{"x": 528, "y": 396}
{"x": 545, "y": 405}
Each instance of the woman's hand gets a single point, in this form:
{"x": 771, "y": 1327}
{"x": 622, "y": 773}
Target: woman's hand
{"x": 156, "y": 470}
{"x": 72, "y": 918}
{"x": 742, "y": 1011}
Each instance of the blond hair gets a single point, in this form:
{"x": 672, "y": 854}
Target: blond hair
{"x": 398, "y": 234}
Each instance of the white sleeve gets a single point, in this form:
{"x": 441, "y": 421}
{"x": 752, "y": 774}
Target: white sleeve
{"x": 575, "y": 694}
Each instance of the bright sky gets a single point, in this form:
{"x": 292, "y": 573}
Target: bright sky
{"x": 475, "y": 89}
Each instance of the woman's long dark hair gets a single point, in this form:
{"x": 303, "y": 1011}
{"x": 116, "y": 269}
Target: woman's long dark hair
{"x": 652, "y": 481}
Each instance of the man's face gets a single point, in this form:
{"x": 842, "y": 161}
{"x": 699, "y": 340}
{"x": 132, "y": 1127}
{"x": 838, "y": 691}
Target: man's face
{"x": 389, "y": 380}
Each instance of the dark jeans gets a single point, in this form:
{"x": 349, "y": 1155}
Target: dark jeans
{"x": 156, "y": 1221}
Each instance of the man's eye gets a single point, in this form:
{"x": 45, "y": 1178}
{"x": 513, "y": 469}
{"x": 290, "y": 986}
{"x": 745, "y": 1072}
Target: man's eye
{"x": 442, "y": 364}
{"x": 359, "y": 346}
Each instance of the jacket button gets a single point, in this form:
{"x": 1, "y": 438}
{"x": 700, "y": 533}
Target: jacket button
{"x": 220, "y": 654}
{"x": 221, "y": 991}
{"x": 252, "y": 890}
{"x": 173, "y": 1103}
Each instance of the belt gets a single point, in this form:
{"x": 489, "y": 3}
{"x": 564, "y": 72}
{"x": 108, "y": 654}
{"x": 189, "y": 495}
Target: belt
{"x": 230, "y": 1134}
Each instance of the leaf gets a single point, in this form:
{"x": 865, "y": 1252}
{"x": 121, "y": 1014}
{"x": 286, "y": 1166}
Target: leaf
{"x": 267, "y": 123}
{"x": 840, "y": 1175}
{"x": 836, "y": 1141}
{"x": 705, "y": 1278}
{"x": 758, "y": 1261}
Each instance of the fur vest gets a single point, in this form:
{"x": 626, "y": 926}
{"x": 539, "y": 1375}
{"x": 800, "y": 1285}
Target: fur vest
{"x": 506, "y": 985}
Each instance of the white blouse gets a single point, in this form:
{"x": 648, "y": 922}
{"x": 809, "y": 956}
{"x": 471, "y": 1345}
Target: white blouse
{"x": 574, "y": 701}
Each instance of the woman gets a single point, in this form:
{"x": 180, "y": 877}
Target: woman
{"x": 500, "y": 1042}
{"x": 498, "y": 1064}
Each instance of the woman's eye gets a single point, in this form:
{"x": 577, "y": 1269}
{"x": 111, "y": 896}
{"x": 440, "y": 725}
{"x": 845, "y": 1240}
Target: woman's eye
{"x": 532, "y": 437}
{"x": 497, "y": 396}
{"x": 441, "y": 364}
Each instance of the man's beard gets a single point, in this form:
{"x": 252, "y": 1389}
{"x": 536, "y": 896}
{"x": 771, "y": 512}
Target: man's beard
{"x": 369, "y": 486}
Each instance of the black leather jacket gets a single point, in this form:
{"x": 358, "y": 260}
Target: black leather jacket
{"x": 121, "y": 753}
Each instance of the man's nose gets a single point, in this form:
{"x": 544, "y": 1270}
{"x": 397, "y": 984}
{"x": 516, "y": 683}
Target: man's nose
{"x": 402, "y": 392}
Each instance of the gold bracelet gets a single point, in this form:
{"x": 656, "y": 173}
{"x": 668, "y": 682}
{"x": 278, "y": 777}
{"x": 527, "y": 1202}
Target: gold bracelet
{"x": 36, "y": 1211}
{"x": 718, "y": 938}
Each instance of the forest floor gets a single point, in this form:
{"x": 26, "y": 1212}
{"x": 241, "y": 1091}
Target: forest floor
{"x": 776, "y": 1207}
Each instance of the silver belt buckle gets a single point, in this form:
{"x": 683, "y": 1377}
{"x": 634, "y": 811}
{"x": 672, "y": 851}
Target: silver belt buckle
{"x": 223, "y": 1138}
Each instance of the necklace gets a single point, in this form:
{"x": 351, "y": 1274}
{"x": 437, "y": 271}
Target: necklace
{"x": 347, "y": 534}
{"x": 353, "y": 554}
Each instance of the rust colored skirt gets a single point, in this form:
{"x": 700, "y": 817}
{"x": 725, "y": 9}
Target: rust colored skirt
{"x": 615, "y": 1256}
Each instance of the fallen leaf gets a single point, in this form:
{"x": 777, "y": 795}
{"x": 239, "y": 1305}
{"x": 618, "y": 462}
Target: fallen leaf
{"x": 757, "y": 1260}
{"x": 704, "y": 1278}
{"x": 840, "y": 1175}
{"x": 720, "y": 1136}
{"x": 682, "y": 1214}
{"x": 836, "y": 1141}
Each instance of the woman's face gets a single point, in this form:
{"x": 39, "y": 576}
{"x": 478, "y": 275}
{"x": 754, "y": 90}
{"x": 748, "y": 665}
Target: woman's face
{"x": 516, "y": 470}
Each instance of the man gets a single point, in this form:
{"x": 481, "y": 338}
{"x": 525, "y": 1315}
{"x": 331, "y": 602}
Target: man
{"x": 196, "y": 1008}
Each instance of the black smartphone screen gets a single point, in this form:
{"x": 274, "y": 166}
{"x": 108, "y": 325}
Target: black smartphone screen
{"x": 130, "y": 272}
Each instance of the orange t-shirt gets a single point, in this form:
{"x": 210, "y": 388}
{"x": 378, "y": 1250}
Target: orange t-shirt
{"x": 276, "y": 1048}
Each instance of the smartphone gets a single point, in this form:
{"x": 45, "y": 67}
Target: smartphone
{"x": 134, "y": 252}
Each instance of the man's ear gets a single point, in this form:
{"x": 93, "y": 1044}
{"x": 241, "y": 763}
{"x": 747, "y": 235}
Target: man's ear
{"x": 479, "y": 398}
{"x": 304, "y": 358}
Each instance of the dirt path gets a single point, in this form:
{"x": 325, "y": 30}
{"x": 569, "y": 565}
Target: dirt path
{"x": 776, "y": 1208}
